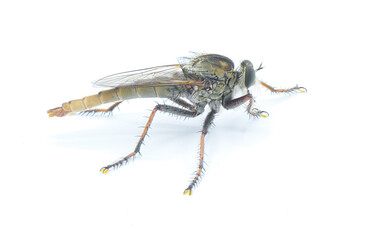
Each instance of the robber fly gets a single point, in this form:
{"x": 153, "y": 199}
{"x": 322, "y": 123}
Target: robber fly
{"x": 206, "y": 79}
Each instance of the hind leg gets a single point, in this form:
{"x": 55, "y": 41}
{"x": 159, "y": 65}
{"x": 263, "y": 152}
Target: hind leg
{"x": 103, "y": 111}
{"x": 160, "y": 107}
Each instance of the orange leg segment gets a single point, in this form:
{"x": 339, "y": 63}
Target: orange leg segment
{"x": 198, "y": 174}
{"x": 164, "y": 108}
{"x": 137, "y": 148}
{"x": 287, "y": 90}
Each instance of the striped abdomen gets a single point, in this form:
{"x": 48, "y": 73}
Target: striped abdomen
{"x": 112, "y": 95}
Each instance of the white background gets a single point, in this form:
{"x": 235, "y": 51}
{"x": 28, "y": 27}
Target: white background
{"x": 306, "y": 172}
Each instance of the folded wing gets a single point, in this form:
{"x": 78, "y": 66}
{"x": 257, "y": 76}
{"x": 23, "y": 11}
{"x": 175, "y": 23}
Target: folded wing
{"x": 166, "y": 75}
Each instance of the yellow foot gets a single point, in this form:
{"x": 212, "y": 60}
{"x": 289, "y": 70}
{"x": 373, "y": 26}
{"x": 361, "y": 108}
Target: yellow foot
{"x": 257, "y": 113}
{"x": 302, "y": 89}
{"x": 188, "y": 191}
{"x": 104, "y": 170}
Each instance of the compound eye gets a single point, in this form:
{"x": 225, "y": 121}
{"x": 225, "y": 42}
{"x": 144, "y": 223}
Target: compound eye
{"x": 249, "y": 76}
{"x": 246, "y": 63}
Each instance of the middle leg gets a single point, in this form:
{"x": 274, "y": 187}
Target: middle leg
{"x": 198, "y": 174}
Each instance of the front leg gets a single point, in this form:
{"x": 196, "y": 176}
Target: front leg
{"x": 234, "y": 103}
{"x": 287, "y": 90}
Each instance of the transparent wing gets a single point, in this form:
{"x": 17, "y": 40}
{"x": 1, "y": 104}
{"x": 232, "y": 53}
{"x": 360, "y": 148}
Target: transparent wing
{"x": 165, "y": 75}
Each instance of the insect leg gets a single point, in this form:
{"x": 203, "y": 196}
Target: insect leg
{"x": 198, "y": 174}
{"x": 254, "y": 111}
{"x": 108, "y": 110}
{"x": 183, "y": 103}
{"x": 160, "y": 107}
{"x": 287, "y": 90}
{"x": 233, "y": 103}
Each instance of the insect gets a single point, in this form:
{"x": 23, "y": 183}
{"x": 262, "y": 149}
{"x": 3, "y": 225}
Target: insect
{"x": 194, "y": 83}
